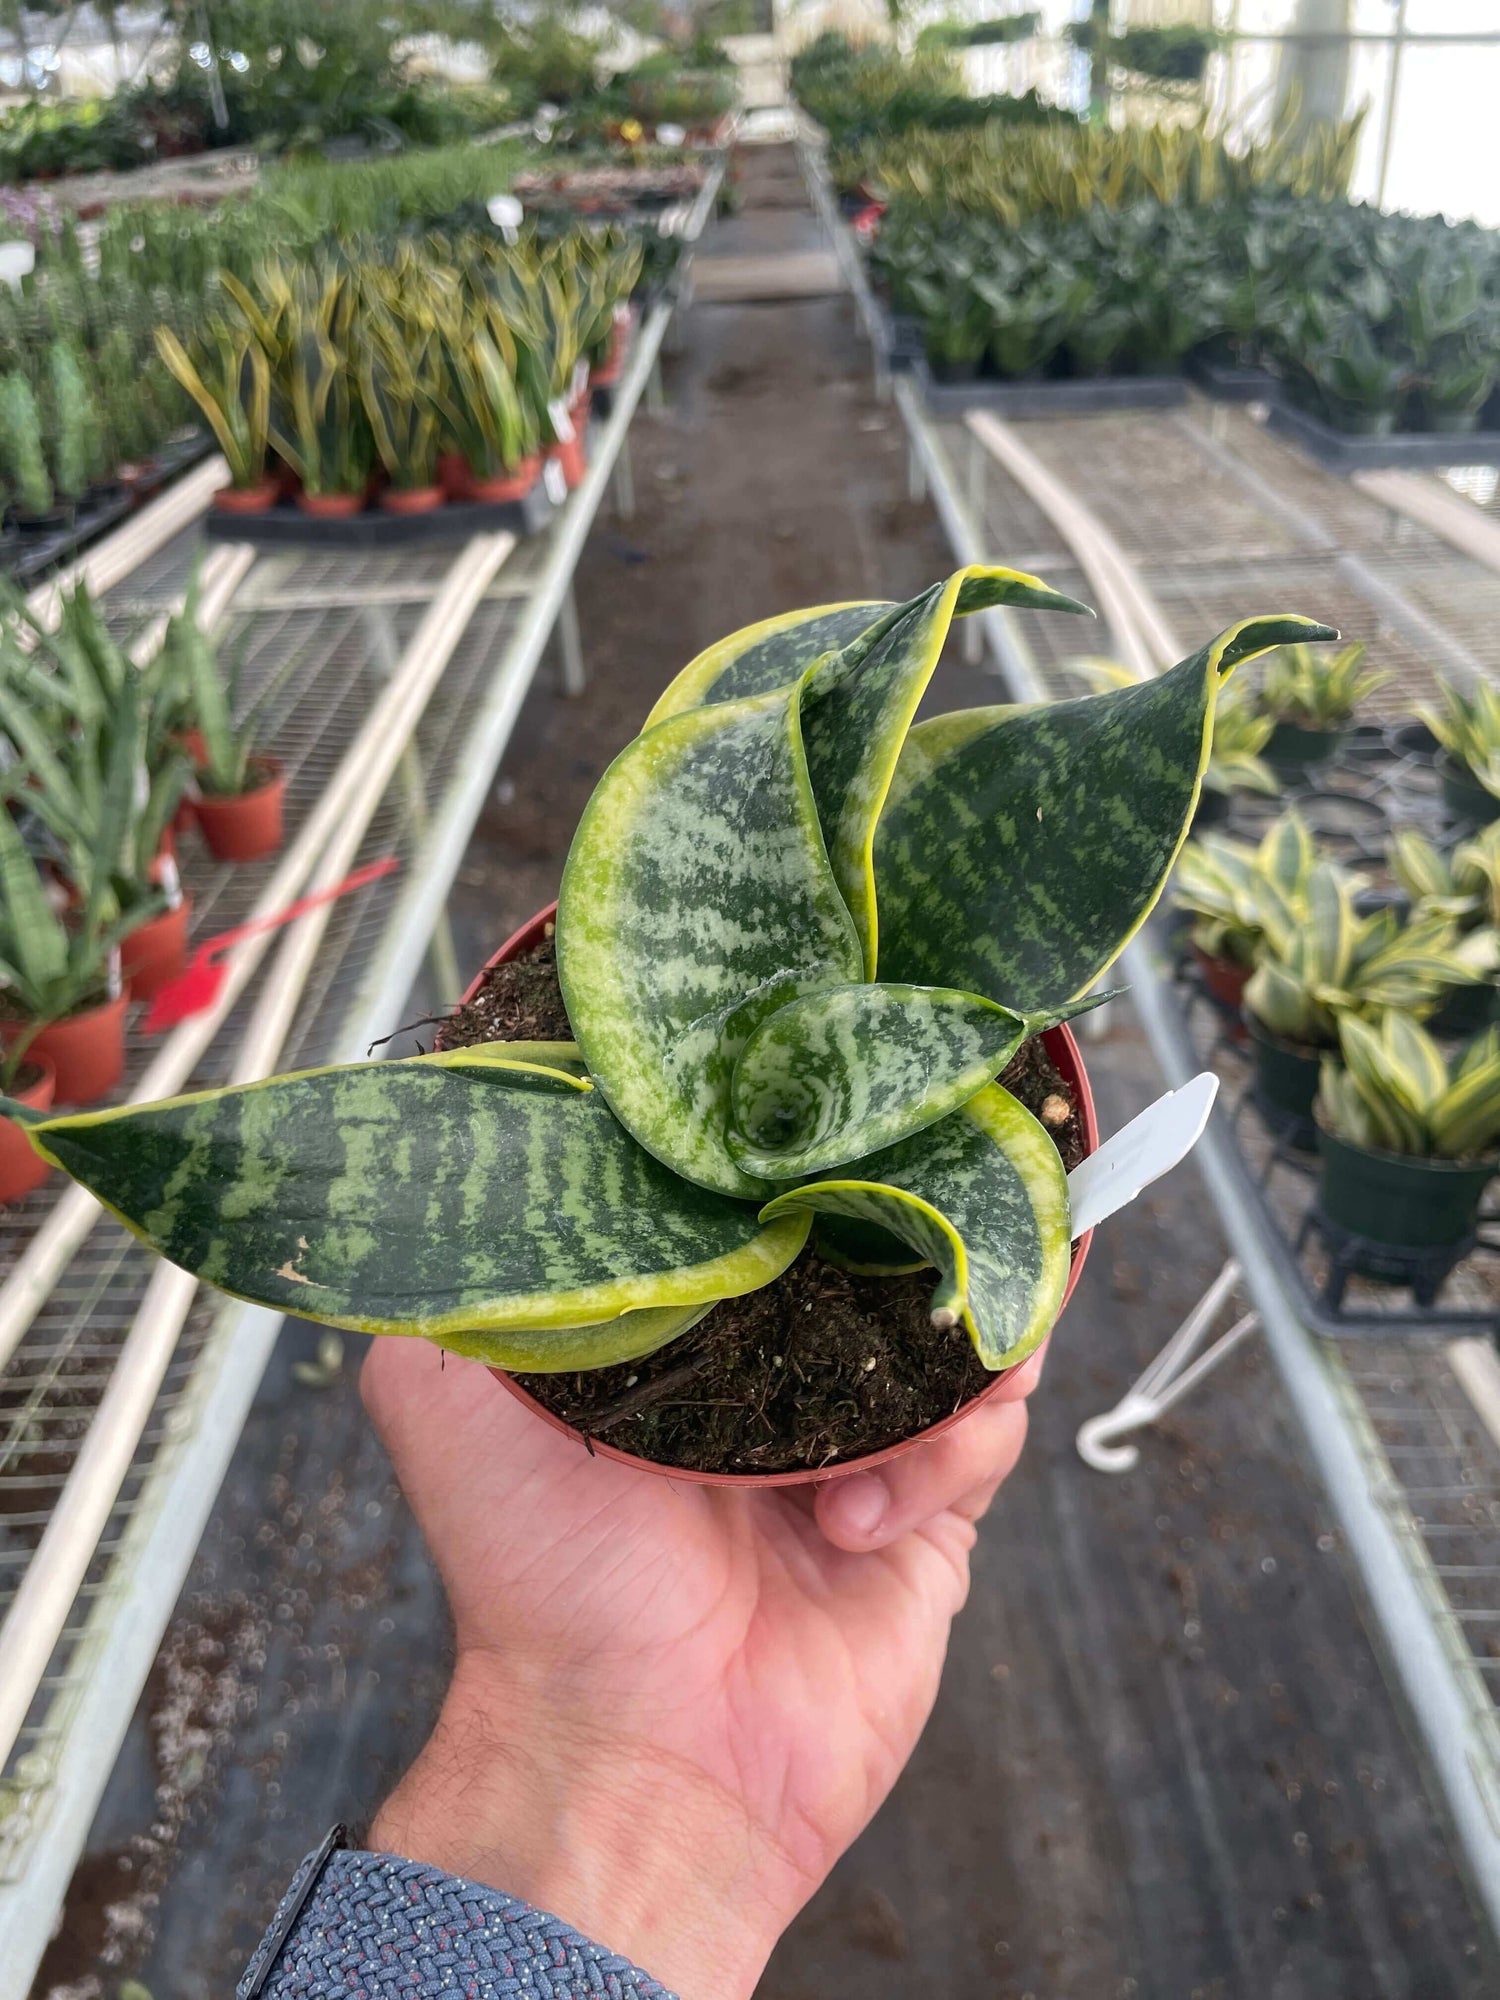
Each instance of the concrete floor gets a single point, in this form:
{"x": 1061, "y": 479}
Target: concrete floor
{"x": 1163, "y": 1763}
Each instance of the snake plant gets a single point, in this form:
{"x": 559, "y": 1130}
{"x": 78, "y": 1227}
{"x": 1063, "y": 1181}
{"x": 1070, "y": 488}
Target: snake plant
{"x": 230, "y": 381}
{"x": 1468, "y": 727}
{"x": 798, "y": 938}
{"x": 1464, "y": 885}
{"x": 1235, "y": 891}
{"x": 1396, "y": 1092}
{"x": 1314, "y": 691}
{"x": 1314, "y": 970}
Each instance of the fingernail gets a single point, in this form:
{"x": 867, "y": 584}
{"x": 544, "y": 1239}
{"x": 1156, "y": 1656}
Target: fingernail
{"x": 863, "y": 1503}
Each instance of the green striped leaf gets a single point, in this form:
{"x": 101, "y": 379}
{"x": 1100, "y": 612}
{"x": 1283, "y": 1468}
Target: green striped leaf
{"x": 445, "y": 1196}
{"x": 844, "y": 1072}
{"x": 982, "y": 1196}
{"x": 697, "y": 899}
{"x": 848, "y": 1070}
{"x": 1021, "y": 849}
{"x": 558, "y": 1350}
{"x": 770, "y": 654}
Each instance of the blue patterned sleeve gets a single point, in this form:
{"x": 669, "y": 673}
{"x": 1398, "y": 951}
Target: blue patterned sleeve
{"x": 357, "y": 1926}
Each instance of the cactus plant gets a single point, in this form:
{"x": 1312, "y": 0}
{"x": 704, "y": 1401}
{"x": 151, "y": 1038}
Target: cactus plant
{"x": 21, "y": 444}
{"x": 798, "y": 938}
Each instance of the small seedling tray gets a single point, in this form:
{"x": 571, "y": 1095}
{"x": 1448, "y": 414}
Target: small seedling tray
{"x": 1051, "y": 399}
{"x": 1342, "y": 451}
{"x": 286, "y": 526}
{"x": 1227, "y": 383}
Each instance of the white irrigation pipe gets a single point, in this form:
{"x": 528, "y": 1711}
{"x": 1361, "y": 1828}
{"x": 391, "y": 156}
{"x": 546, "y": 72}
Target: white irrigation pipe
{"x": 1139, "y": 625}
{"x": 46, "y": 1256}
{"x": 113, "y": 558}
{"x": 39, "y": 1610}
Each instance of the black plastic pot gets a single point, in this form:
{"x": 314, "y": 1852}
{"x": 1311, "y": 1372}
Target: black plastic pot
{"x": 1229, "y": 381}
{"x": 1411, "y": 739}
{"x": 1466, "y": 1010}
{"x": 1464, "y": 796}
{"x": 1286, "y": 1073}
{"x": 1293, "y": 749}
{"x": 1346, "y": 451}
{"x": 1212, "y": 808}
{"x": 1410, "y": 1204}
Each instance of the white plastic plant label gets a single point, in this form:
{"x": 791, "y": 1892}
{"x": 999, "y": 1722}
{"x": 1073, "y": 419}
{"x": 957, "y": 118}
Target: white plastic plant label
{"x": 1140, "y": 1152}
{"x": 554, "y": 485}
{"x": 17, "y": 261}
{"x": 561, "y": 420}
{"x": 506, "y": 213}
{"x": 671, "y": 135}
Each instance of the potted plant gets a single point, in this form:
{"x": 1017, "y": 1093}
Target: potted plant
{"x": 30, "y": 1080}
{"x": 399, "y": 371}
{"x": 489, "y": 427}
{"x": 1314, "y": 968}
{"x": 25, "y": 459}
{"x": 1468, "y": 728}
{"x": 1408, "y": 1139}
{"x": 231, "y": 384}
{"x": 1311, "y": 698}
{"x": 318, "y": 424}
{"x": 785, "y": 925}
{"x": 76, "y": 425}
{"x": 1464, "y": 886}
{"x": 240, "y": 796}
{"x": 1227, "y": 886}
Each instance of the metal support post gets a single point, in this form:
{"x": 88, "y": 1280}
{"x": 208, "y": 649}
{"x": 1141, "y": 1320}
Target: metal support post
{"x": 624, "y": 477}
{"x": 573, "y": 679}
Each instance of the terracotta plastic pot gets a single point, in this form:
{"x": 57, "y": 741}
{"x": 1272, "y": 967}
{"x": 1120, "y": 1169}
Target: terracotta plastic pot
{"x": 331, "y": 506}
{"x": 509, "y": 486}
{"x": 257, "y": 499}
{"x": 1225, "y": 978}
{"x": 86, "y": 1050}
{"x": 248, "y": 827}
{"x": 453, "y": 475}
{"x": 573, "y": 459}
{"x": 156, "y": 951}
{"x": 412, "y": 499}
{"x": 1062, "y": 1048}
{"x": 22, "y": 1167}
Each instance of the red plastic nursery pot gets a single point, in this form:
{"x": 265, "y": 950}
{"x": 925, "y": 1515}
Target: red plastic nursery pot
{"x": 412, "y": 499}
{"x": 249, "y": 826}
{"x": 453, "y": 474}
{"x": 508, "y": 486}
{"x": 156, "y": 951}
{"x": 1225, "y": 980}
{"x": 86, "y": 1050}
{"x": 1064, "y": 1051}
{"x": 21, "y": 1166}
{"x": 572, "y": 458}
{"x": 330, "y": 506}
{"x": 256, "y": 499}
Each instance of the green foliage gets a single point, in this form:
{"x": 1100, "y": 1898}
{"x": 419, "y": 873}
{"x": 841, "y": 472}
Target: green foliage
{"x": 75, "y": 424}
{"x": 208, "y": 700}
{"x": 1241, "y": 732}
{"x": 1396, "y": 1092}
{"x": 229, "y": 378}
{"x": 1177, "y": 53}
{"x": 1234, "y": 890}
{"x": 21, "y": 445}
{"x": 867, "y": 93}
{"x": 1464, "y": 885}
{"x": 1314, "y": 969}
{"x": 959, "y": 34}
{"x": 748, "y": 891}
{"x": 1468, "y": 727}
{"x": 1316, "y": 689}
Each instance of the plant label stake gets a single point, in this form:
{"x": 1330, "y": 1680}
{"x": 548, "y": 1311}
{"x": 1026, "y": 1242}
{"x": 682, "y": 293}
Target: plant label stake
{"x": 1140, "y": 1152}
{"x": 198, "y": 986}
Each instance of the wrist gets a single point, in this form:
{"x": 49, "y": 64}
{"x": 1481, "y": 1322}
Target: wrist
{"x": 639, "y": 1853}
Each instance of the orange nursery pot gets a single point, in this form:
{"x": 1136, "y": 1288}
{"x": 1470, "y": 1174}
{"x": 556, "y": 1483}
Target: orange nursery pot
{"x": 256, "y": 499}
{"x": 509, "y": 485}
{"x": 453, "y": 475}
{"x": 412, "y": 499}
{"x": 86, "y": 1050}
{"x": 249, "y": 826}
{"x": 331, "y": 506}
{"x": 573, "y": 459}
{"x": 1060, "y": 1046}
{"x": 22, "y": 1167}
{"x": 156, "y": 950}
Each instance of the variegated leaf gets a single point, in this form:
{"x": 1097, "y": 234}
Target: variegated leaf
{"x": 1020, "y": 849}
{"x": 697, "y": 899}
{"x": 771, "y": 654}
{"x": 858, "y": 703}
{"x": 983, "y": 1197}
{"x": 445, "y": 1196}
{"x": 559, "y": 1350}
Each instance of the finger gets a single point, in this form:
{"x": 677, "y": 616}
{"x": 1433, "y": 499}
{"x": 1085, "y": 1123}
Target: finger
{"x": 869, "y": 1510}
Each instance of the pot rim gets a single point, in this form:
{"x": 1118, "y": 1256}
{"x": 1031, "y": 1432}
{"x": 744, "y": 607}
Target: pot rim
{"x": 1306, "y": 1051}
{"x": 11, "y": 1025}
{"x": 1453, "y": 767}
{"x": 1064, "y": 1050}
{"x": 275, "y": 772}
{"x": 1488, "y": 1162}
{"x": 39, "y": 1093}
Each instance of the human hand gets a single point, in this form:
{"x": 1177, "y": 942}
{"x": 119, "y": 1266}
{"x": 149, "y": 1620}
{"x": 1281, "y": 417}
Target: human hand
{"x": 673, "y": 1706}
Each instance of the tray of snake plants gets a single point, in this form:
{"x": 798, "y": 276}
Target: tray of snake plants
{"x": 760, "y": 1157}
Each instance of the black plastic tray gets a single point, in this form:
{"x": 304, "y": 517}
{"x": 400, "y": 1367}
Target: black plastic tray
{"x": 286, "y": 526}
{"x": 1341, "y": 452}
{"x": 1051, "y": 399}
{"x": 28, "y": 557}
{"x": 1228, "y": 383}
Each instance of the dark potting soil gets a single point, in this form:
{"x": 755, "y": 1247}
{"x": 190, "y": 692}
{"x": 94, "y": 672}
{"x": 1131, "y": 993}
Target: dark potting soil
{"x": 819, "y": 1366}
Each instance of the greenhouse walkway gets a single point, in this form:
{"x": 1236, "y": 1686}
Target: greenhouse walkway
{"x": 1163, "y": 1763}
